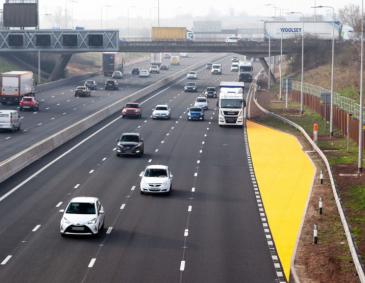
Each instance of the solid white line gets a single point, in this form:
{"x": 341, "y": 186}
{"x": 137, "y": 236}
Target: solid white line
{"x": 182, "y": 265}
{"x": 109, "y": 230}
{"x": 122, "y": 206}
{"x": 76, "y": 186}
{"x": 190, "y": 208}
{"x": 59, "y": 204}
{"x": 186, "y": 233}
{"x": 36, "y": 228}
{"x": 92, "y": 262}
{"x": 5, "y": 261}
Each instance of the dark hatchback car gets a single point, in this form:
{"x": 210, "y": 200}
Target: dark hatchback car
{"x": 132, "y": 110}
{"x": 135, "y": 71}
{"x": 130, "y": 144}
{"x": 82, "y": 91}
{"x": 190, "y": 87}
{"x": 196, "y": 113}
{"x": 111, "y": 85}
{"x": 91, "y": 84}
{"x": 210, "y": 92}
{"x": 208, "y": 66}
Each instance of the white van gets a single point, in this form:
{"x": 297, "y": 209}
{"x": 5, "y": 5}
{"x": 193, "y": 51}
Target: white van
{"x": 10, "y": 120}
{"x": 216, "y": 69}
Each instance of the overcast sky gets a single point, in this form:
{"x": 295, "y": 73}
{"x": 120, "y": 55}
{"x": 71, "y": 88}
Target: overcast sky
{"x": 86, "y": 9}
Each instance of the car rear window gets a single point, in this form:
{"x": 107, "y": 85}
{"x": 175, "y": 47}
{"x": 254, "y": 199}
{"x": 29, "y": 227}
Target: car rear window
{"x": 201, "y": 100}
{"x": 129, "y": 138}
{"x": 132, "y": 105}
{"x": 210, "y": 89}
{"x": 27, "y": 99}
{"x": 81, "y": 208}
{"x": 196, "y": 109}
{"x": 161, "y": 108}
{"x": 156, "y": 173}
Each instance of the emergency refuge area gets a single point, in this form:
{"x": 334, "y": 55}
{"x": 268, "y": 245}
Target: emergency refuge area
{"x": 285, "y": 177}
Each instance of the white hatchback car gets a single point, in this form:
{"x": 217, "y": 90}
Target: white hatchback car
{"x": 192, "y": 75}
{"x": 156, "y": 179}
{"x": 161, "y": 112}
{"x": 83, "y": 216}
{"x": 143, "y": 73}
{"x": 201, "y": 102}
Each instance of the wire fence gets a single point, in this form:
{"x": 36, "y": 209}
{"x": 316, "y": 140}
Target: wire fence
{"x": 346, "y": 104}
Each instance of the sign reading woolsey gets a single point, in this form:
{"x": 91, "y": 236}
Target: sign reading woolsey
{"x": 290, "y": 29}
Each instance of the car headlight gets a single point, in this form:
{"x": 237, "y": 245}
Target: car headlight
{"x": 92, "y": 221}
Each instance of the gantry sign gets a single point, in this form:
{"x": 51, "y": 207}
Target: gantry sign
{"x": 61, "y": 41}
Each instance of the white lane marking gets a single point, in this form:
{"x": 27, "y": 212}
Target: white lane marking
{"x": 76, "y": 186}
{"x": 58, "y": 104}
{"x": 145, "y": 121}
{"x": 172, "y": 127}
{"x": 177, "y": 122}
{"x": 141, "y": 174}
{"x": 122, "y": 206}
{"x": 139, "y": 126}
{"x": 167, "y": 134}
{"x": 91, "y": 171}
{"x": 59, "y": 204}
{"x": 64, "y": 113}
{"x": 92, "y": 262}
{"x": 156, "y": 150}
{"x": 109, "y": 230}
{"x": 114, "y": 149}
{"x": 17, "y": 187}
{"x": 47, "y": 108}
{"x": 104, "y": 159}
{"x": 186, "y": 233}
{"x": 201, "y": 151}
{"x": 207, "y": 129}
{"x": 182, "y": 265}
{"x": 133, "y": 188}
{"x": 62, "y": 210}
{"x": 203, "y": 142}
{"x": 196, "y": 174}
{"x": 198, "y": 161}
{"x": 162, "y": 141}
{"x": 39, "y": 124}
{"x": 36, "y": 228}
{"x": 205, "y": 135}
{"x": 5, "y": 261}
{"x": 190, "y": 208}
{"x": 53, "y": 118}
{"x": 193, "y": 190}
{"x": 34, "y": 113}
{"x": 149, "y": 161}
{"x": 7, "y": 138}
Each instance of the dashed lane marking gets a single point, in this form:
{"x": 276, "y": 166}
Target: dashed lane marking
{"x": 190, "y": 208}
{"x": 182, "y": 265}
{"x": 186, "y": 233}
{"x": 59, "y": 204}
{"x": 193, "y": 190}
{"x": 36, "y": 228}
{"x": 91, "y": 171}
{"x": 109, "y": 230}
{"x": 76, "y": 186}
{"x": 5, "y": 261}
{"x": 92, "y": 262}
{"x": 122, "y": 206}
{"x": 133, "y": 188}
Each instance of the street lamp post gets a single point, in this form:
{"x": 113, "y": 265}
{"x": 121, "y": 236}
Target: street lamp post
{"x": 332, "y": 65}
{"x": 360, "y": 150}
{"x": 281, "y": 59}
{"x": 302, "y": 68}
{"x": 269, "y": 80}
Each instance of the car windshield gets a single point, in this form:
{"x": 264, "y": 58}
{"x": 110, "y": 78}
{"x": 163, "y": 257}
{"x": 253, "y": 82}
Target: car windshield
{"x": 201, "y": 100}
{"x": 196, "y": 109}
{"x": 192, "y": 73}
{"x": 110, "y": 82}
{"x": 161, "y": 108}
{"x": 156, "y": 173}
{"x": 210, "y": 89}
{"x": 28, "y": 99}
{"x": 190, "y": 84}
{"x": 129, "y": 138}
{"x": 81, "y": 208}
{"x": 231, "y": 103}
{"x": 89, "y": 82}
{"x": 131, "y": 105}
{"x": 80, "y": 88}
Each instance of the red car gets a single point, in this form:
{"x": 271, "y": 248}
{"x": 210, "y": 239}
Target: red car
{"x": 132, "y": 110}
{"x": 29, "y": 102}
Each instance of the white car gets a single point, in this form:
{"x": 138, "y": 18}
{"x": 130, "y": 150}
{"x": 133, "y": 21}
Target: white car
{"x": 201, "y": 102}
{"x": 161, "y": 112}
{"x": 154, "y": 69}
{"x": 235, "y": 67}
{"x": 156, "y": 179}
{"x": 232, "y": 39}
{"x": 183, "y": 55}
{"x": 192, "y": 75}
{"x": 143, "y": 73}
{"x": 83, "y": 216}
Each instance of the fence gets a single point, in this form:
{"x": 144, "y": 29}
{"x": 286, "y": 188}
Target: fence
{"x": 342, "y": 106}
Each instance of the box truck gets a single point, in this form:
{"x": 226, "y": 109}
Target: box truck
{"x": 15, "y": 85}
{"x": 171, "y": 34}
{"x": 112, "y": 61}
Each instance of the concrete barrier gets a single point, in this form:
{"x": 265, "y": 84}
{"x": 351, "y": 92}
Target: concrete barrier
{"x": 17, "y": 162}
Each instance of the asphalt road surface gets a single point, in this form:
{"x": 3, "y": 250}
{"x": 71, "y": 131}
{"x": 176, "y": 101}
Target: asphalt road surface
{"x": 207, "y": 230}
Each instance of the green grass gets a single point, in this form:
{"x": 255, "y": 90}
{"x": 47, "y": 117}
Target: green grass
{"x": 350, "y": 92}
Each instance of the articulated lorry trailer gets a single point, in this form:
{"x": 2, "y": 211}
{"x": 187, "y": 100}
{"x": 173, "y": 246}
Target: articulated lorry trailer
{"x": 171, "y": 34}
{"x": 112, "y": 61}
{"x": 15, "y": 85}
{"x": 231, "y": 104}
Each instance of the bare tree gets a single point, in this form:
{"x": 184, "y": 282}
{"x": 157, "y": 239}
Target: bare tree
{"x": 351, "y": 16}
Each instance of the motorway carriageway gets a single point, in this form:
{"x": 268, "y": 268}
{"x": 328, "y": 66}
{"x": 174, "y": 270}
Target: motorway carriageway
{"x": 59, "y": 108}
{"x": 207, "y": 230}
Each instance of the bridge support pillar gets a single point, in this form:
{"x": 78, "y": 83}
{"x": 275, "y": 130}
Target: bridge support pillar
{"x": 266, "y": 67}
{"x": 60, "y": 66}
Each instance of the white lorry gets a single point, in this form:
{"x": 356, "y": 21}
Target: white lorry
{"x": 245, "y": 71}
{"x": 15, "y": 85}
{"x": 231, "y": 104}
